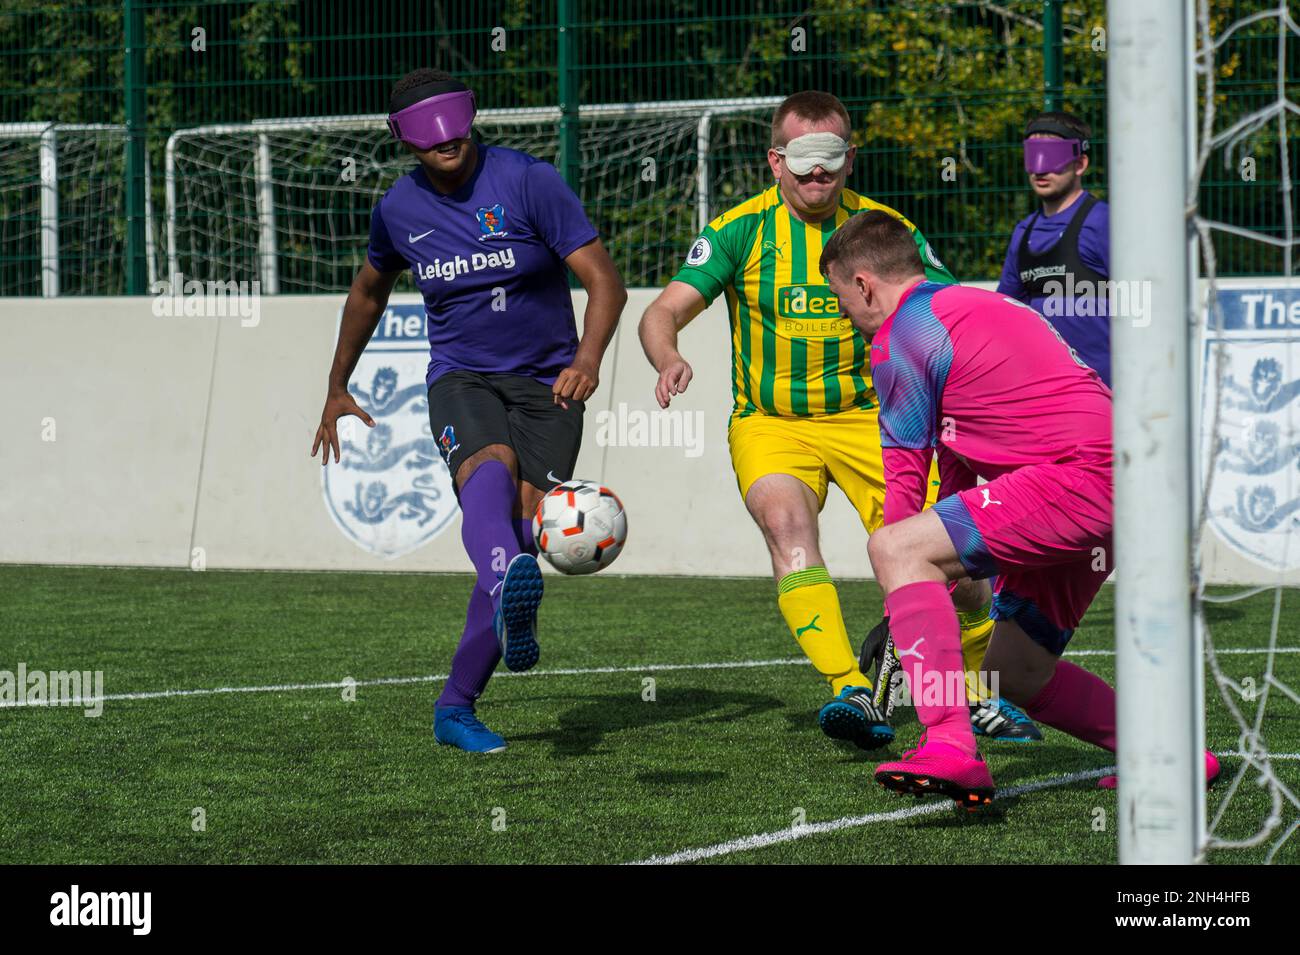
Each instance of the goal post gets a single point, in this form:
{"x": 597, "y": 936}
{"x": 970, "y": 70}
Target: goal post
{"x": 1150, "y": 115}
{"x": 59, "y": 183}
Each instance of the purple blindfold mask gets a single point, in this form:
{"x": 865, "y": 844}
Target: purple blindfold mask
{"x": 1051, "y": 155}
{"x": 435, "y": 120}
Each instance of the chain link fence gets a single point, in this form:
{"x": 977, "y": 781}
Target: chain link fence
{"x": 264, "y": 147}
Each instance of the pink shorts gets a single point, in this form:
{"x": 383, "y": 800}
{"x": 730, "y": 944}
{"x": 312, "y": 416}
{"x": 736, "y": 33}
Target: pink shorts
{"x": 1044, "y": 531}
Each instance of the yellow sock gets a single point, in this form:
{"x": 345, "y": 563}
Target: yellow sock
{"x": 976, "y": 631}
{"x": 811, "y": 608}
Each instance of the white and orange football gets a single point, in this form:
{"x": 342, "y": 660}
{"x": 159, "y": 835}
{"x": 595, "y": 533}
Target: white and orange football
{"x": 580, "y": 527}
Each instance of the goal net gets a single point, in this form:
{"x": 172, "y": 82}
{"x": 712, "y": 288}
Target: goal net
{"x": 57, "y": 182}
{"x": 1207, "y": 426}
{"x": 288, "y": 202}
{"x": 1247, "y": 334}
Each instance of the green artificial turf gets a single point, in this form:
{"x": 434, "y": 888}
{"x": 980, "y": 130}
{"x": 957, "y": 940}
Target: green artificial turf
{"x": 595, "y": 771}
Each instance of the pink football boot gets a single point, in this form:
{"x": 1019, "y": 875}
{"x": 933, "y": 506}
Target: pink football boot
{"x": 939, "y": 768}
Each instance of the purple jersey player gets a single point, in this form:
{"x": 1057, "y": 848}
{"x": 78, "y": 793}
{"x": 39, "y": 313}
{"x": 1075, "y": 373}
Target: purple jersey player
{"x": 1058, "y": 260}
{"x": 489, "y": 235}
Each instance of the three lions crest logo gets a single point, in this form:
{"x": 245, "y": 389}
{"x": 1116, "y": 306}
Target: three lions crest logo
{"x": 389, "y": 493}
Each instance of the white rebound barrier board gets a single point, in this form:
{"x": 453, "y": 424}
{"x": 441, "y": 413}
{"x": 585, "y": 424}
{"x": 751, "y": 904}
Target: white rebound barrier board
{"x": 139, "y": 440}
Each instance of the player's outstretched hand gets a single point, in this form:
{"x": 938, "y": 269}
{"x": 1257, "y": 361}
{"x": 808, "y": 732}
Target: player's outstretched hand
{"x": 578, "y": 381}
{"x": 337, "y": 406}
{"x": 673, "y": 380}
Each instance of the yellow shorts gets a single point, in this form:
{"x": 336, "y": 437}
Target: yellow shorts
{"x": 842, "y": 448}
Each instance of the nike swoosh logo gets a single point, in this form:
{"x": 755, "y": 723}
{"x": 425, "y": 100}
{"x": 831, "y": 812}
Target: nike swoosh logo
{"x": 417, "y": 238}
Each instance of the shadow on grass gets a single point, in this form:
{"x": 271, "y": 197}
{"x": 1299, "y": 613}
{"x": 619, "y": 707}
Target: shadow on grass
{"x": 681, "y": 778}
{"x": 1223, "y": 613}
{"x": 958, "y": 818}
{"x": 584, "y": 727}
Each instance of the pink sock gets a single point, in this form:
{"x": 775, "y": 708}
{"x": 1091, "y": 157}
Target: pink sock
{"x": 1077, "y": 702}
{"x": 927, "y": 639}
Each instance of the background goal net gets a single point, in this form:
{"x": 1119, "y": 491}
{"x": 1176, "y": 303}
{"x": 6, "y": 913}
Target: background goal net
{"x": 1248, "y": 340}
{"x": 288, "y": 202}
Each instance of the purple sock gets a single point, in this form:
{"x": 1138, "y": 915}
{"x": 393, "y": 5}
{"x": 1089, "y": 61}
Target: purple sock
{"x": 487, "y": 526}
{"x": 476, "y": 657}
{"x": 524, "y": 534}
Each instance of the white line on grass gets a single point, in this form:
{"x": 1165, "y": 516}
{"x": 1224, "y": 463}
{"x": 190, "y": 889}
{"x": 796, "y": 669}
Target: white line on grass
{"x": 400, "y": 680}
{"x": 1259, "y": 756}
{"x": 1221, "y": 651}
{"x": 438, "y": 677}
{"x": 764, "y": 839}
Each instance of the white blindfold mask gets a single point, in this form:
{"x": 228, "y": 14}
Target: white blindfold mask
{"x": 805, "y": 153}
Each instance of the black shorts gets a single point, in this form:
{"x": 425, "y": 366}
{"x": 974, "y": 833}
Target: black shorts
{"x": 468, "y": 411}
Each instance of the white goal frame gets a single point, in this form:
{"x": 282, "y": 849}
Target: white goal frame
{"x": 48, "y": 160}
{"x": 1152, "y": 110}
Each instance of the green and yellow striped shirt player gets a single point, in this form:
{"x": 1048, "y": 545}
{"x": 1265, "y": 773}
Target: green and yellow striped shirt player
{"x": 793, "y": 354}
{"x": 805, "y": 415}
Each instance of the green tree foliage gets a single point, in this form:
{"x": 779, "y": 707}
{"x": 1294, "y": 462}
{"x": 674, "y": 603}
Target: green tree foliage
{"x": 938, "y": 91}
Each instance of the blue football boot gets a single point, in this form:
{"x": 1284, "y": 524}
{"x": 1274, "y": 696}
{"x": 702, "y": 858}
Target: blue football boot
{"x": 458, "y": 726}
{"x": 517, "y": 598}
{"x": 1000, "y": 720}
{"x": 854, "y": 716}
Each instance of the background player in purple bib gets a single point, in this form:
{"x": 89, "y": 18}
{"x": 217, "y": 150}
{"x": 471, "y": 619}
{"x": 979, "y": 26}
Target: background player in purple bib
{"x": 987, "y": 383}
{"x": 487, "y": 234}
{"x": 1058, "y": 260}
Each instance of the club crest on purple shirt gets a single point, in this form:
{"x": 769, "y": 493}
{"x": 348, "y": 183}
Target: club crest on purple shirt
{"x": 491, "y": 219}
{"x": 390, "y": 493}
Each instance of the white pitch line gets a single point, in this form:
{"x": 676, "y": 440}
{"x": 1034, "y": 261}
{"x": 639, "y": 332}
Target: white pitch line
{"x": 764, "y": 839}
{"x": 1259, "y": 757}
{"x": 1229, "y": 651}
{"x": 438, "y": 677}
{"x": 400, "y": 680}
